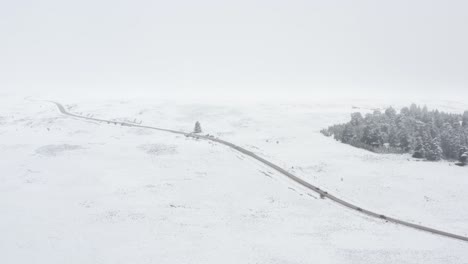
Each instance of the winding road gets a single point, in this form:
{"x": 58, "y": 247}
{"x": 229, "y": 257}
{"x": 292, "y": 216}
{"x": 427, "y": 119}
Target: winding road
{"x": 322, "y": 193}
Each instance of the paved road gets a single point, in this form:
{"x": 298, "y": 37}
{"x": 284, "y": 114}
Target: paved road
{"x": 322, "y": 193}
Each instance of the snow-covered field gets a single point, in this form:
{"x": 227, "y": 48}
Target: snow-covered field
{"x": 73, "y": 191}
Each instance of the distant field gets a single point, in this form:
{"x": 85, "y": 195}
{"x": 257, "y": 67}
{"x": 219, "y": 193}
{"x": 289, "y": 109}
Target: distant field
{"x": 81, "y": 192}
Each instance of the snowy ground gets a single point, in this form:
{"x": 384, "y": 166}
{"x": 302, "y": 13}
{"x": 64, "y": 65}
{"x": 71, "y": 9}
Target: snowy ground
{"x": 78, "y": 192}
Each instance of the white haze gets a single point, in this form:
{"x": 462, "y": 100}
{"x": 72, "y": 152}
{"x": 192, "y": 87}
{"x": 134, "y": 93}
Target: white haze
{"x": 250, "y": 50}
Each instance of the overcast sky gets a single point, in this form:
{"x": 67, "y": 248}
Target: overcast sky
{"x": 287, "y": 47}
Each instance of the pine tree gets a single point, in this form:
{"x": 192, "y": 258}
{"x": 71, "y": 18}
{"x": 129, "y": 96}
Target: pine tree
{"x": 415, "y": 111}
{"x": 404, "y": 140}
{"x": 356, "y": 119}
{"x": 434, "y": 152}
{"x": 405, "y": 111}
{"x": 428, "y": 134}
{"x": 376, "y": 138}
{"x": 464, "y": 158}
{"x": 392, "y": 137}
{"x": 425, "y": 115}
{"x": 463, "y": 154}
{"x": 372, "y": 136}
{"x": 347, "y": 134}
{"x": 197, "y": 128}
{"x": 419, "y": 152}
{"x": 390, "y": 112}
{"x": 447, "y": 141}
{"x": 465, "y": 119}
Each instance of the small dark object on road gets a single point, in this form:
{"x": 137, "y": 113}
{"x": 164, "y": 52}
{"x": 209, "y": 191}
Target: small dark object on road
{"x": 383, "y": 216}
{"x": 359, "y": 209}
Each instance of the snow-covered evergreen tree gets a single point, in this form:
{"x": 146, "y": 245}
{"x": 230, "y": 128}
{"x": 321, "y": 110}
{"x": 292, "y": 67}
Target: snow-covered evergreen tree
{"x": 464, "y": 158}
{"x": 434, "y": 152}
{"x": 392, "y": 136}
{"x": 356, "y": 119}
{"x": 419, "y": 151}
{"x": 465, "y": 119}
{"x": 390, "y": 112}
{"x": 428, "y": 134}
{"x": 347, "y": 134}
{"x": 197, "y": 128}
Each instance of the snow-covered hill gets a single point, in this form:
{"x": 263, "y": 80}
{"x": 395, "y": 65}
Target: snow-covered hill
{"x": 79, "y": 192}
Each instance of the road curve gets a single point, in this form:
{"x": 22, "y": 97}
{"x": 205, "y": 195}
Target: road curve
{"x": 322, "y": 193}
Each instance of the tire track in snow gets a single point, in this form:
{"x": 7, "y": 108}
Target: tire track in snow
{"x": 322, "y": 193}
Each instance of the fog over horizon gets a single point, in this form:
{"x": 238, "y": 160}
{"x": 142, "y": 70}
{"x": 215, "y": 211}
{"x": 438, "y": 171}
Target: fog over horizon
{"x": 283, "y": 49}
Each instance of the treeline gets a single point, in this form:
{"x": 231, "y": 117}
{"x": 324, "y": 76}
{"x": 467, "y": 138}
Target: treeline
{"x": 430, "y": 135}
